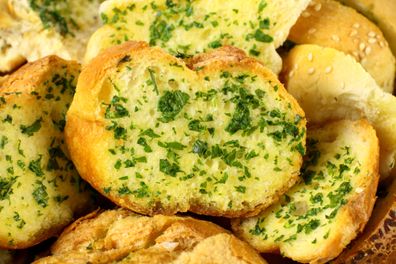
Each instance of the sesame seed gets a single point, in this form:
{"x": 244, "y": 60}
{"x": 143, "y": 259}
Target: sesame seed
{"x": 318, "y": 7}
{"x": 310, "y": 56}
{"x": 372, "y": 34}
{"x": 306, "y": 14}
{"x": 359, "y": 190}
{"x": 311, "y": 70}
{"x": 335, "y": 38}
{"x": 362, "y": 46}
{"x": 311, "y": 30}
{"x": 291, "y": 73}
{"x": 328, "y": 69}
{"x": 367, "y": 50}
{"x": 372, "y": 40}
{"x": 382, "y": 44}
{"x": 355, "y": 54}
{"x": 356, "y": 25}
{"x": 353, "y": 33}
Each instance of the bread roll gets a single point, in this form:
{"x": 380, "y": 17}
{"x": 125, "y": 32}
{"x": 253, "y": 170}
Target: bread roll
{"x": 221, "y": 137}
{"x": 185, "y": 28}
{"x": 382, "y": 13}
{"x": 32, "y": 29}
{"x": 316, "y": 219}
{"x": 120, "y": 236}
{"x": 40, "y": 191}
{"x": 327, "y": 23}
{"x": 330, "y": 85}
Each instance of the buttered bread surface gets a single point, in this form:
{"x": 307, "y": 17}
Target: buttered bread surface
{"x": 155, "y": 136}
{"x": 40, "y": 190}
{"x": 185, "y": 28}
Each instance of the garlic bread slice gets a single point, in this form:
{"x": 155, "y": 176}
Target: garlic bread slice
{"x": 185, "y": 28}
{"x": 40, "y": 191}
{"x": 315, "y": 220}
{"x": 120, "y": 236}
{"x": 33, "y": 29}
{"x": 222, "y": 137}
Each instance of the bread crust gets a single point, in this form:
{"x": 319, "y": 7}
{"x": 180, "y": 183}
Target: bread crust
{"x": 351, "y": 218}
{"x": 376, "y": 243}
{"x": 320, "y": 24}
{"x": 85, "y": 123}
{"x": 98, "y": 237}
{"x": 21, "y": 87}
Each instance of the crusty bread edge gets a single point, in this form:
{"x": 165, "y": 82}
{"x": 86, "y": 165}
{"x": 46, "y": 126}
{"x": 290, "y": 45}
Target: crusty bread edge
{"x": 93, "y": 75}
{"x": 355, "y": 214}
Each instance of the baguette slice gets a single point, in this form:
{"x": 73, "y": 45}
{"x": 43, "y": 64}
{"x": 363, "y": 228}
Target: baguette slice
{"x": 382, "y": 13}
{"x": 32, "y": 29}
{"x": 317, "y": 218}
{"x": 120, "y": 236}
{"x": 222, "y": 137}
{"x": 330, "y": 85}
{"x": 40, "y": 191}
{"x": 328, "y": 23}
{"x": 377, "y": 243}
{"x": 185, "y": 28}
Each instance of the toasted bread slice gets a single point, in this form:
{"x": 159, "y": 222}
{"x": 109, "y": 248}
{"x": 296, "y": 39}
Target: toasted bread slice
{"x": 40, "y": 191}
{"x": 381, "y": 12}
{"x": 32, "y": 29}
{"x": 120, "y": 236}
{"x": 220, "y": 138}
{"x": 185, "y": 28}
{"x": 377, "y": 244}
{"x": 330, "y": 24}
{"x": 330, "y": 85}
{"x": 317, "y": 218}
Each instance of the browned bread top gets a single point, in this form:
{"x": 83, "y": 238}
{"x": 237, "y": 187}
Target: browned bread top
{"x": 330, "y": 24}
{"x": 120, "y": 236}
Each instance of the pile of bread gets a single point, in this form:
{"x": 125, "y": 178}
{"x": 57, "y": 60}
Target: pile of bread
{"x": 221, "y": 131}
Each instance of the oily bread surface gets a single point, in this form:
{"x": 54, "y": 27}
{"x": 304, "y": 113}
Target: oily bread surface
{"x": 204, "y": 172}
{"x": 41, "y": 191}
{"x": 318, "y": 217}
{"x": 120, "y": 236}
{"x": 186, "y": 28}
{"x": 330, "y": 24}
{"x": 330, "y": 85}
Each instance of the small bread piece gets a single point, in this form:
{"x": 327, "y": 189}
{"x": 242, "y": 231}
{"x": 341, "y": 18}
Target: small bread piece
{"x": 382, "y": 13}
{"x": 120, "y": 236}
{"x": 328, "y": 23}
{"x": 220, "y": 138}
{"x": 33, "y": 29}
{"x": 330, "y": 85}
{"x": 186, "y": 28}
{"x": 317, "y": 218}
{"x": 377, "y": 244}
{"x": 40, "y": 191}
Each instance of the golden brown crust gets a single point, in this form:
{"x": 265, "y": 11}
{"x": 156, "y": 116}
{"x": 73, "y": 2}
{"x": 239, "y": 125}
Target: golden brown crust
{"x": 328, "y": 23}
{"x": 377, "y": 243}
{"x": 85, "y": 123}
{"x": 123, "y": 237}
{"x": 351, "y": 218}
